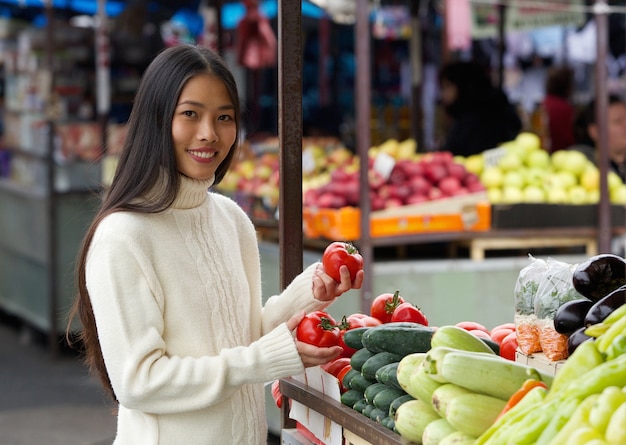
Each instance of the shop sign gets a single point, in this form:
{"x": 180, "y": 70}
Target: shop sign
{"x": 525, "y": 15}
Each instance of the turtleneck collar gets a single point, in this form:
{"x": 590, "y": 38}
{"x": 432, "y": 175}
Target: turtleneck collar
{"x": 192, "y": 192}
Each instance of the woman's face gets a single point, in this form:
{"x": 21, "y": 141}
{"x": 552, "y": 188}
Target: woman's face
{"x": 203, "y": 127}
{"x": 616, "y": 122}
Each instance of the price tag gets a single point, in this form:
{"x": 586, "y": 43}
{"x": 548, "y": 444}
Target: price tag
{"x": 383, "y": 164}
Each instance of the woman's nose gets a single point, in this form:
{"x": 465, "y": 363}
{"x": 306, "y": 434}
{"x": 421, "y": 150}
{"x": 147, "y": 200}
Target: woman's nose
{"x": 207, "y": 132}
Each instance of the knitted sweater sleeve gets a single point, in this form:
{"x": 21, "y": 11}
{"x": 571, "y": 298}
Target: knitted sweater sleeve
{"x": 129, "y": 306}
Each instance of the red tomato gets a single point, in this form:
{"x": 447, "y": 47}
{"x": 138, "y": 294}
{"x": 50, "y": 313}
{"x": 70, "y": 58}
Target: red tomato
{"x": 341, "y": 374}
{"x": 509, "y": 346}
{"x": 347, "y": 323}
{"x": 318, "y": 328}
{"x": 276, "y": 394}
{"x": 504, "y": 325}
{"x": 339, "y": 253}
{"x": 384, "y": 305}
{"x": 469, "y": 325}
{"x": 498, "y": 334}
{"x": 336, "y": 365}
{"x": 480, "y": 333}
{"x": 409, "y": 312}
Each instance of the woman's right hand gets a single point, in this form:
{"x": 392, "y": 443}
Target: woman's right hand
{"x": 312, "y": 355}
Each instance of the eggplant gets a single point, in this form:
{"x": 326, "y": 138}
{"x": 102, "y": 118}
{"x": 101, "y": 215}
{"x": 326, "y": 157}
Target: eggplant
{"x": 571, "y": 315}
{"x": 576, "y": 339}
{"x": 599, "y": 275}
{"x": 604, "y": 306}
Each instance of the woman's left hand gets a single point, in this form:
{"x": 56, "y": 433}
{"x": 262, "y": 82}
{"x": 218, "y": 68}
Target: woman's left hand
{"x": 325, "y": 288}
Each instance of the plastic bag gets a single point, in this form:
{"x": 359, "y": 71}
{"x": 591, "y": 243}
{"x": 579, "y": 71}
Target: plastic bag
{"x": 556, "y": 287}
{"x": 525, "y": 293}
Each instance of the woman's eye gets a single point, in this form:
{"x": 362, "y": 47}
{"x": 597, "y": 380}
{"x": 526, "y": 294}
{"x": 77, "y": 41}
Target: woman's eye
{"x": 225, "y": 117}
{"x": 189, "y": 113}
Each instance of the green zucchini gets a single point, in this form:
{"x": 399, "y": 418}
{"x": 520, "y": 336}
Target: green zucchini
{"x": 371, "y": 391}
{"x": 360, "y": 404}
{"x": 359, "y": 357}
{"x": 385, "y": 398}
{"x": 388, "y": 374}
{"x": 377, "y": 361}
{"x": 377, "y": 415}
{"x": 352, "y": 337}
{"x": 399, "y": 401}
{"x": 351, "y": 396}
{"x": 399, "y": 338}
{"x": 360, "y": 383}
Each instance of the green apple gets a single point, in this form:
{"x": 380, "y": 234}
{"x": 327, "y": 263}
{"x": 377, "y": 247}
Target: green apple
{"x": 536, "y": 176}
{"x": 538, "y": 158}
{"x": 494, "y": 195}
{"x": 567, "y": 178}
{"x": 512, "y": 195}
{"x": 556, "y": 195}
{"x": 512, "y": 160}
{"x": 577, "y": 194}
{"x": 533, "y": 193}
{"x": 475, "y": 163}
{"x": 593, "y": 196}
{"x": 492, "y": 177}
{"x": 513, "y": 178}
{"x": 590, "y": 178}
{"x": 572, "y": 161}
{"x": 528, "y": 140}
{"x": 614, "y": 181}
{"x": 618, "y": 195}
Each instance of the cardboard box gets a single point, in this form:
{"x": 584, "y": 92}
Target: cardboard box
{"x": 526, "y": 216}
{"x": 539, "y": 361}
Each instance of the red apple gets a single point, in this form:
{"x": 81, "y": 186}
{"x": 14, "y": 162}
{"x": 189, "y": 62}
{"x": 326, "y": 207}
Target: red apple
{"x": 416, "y": 199}
{"x": 457, "y": 171}
{"x": 435, "y": 193}
{"x": 435, "y": 171}
{"x": 449, "y": 185}
{"x": 419, "y": 185}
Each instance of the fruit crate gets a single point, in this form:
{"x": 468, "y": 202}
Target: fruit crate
{"x": 356, "y": 428}
{"x": 470, "y": 213}
{"x": 539, "y": 361}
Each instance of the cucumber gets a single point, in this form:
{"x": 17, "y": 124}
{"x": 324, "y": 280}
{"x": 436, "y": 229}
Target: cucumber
{"x": 399, "y": 338}
{"x": 359, "y": 405}
{"x": 377, "y": 415}
{"x": 388, "y": 374}
{"x": 385, "y": 398}
{"x": 377, "y": 361}
{"x": 347, "y": 379}
{"x": 359, "y": 357}
{"x": 360, "y": 383}
{"x": 372, "y": 390}
{"x": 351, "y": 396}
{"x": 388, "y": 422}
{"x": 367, "y": 409}
{"x": 397, "y": 402}
{"x": 352, "y": 337}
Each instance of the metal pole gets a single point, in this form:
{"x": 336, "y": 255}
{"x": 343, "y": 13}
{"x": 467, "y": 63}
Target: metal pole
{"x": 601, "y": 11}
{"x": 363, "y": 142}
{"x": 290, "y": 139}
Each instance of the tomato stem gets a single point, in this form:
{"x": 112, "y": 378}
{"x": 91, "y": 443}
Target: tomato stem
{"x": 391, "y": 306}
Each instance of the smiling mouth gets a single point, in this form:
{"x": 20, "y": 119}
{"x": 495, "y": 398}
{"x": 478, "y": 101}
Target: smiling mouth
{"x": 203, "y": 154}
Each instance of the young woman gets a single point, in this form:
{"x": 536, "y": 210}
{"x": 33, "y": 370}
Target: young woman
{"x": 169, "y": 273}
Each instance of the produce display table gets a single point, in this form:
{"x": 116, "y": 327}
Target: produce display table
{"x": 358, "y": 429}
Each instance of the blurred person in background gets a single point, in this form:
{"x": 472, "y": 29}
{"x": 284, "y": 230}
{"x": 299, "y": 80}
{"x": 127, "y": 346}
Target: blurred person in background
{"x": 558, "y": 108}
{"x": 587, "y": 131}
{"x": 480, "y": 115}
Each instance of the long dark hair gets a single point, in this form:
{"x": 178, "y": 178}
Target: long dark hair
{"x": 587, "y": 117}
{"x": 147, "y": 160}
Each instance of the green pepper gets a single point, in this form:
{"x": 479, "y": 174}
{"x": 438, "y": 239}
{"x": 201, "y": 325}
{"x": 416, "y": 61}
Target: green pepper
{"x": 608, "y": 402}
{"x": 607, "y": 338}
{"x": 560, "y": 418}
{"x": 616, "y": 429}
{"x": 579, "y": 418}
{"x": 528, "y": 429}
{"x": 607, "y": 374}
{"x": 583, "y": 435}
{"x": 585, "y": 358}
{"x": 531, "y": 401}
{"x": 617, "y": 347}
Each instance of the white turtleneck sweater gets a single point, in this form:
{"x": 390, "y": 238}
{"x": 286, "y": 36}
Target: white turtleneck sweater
{"x": 187, "y": 343}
